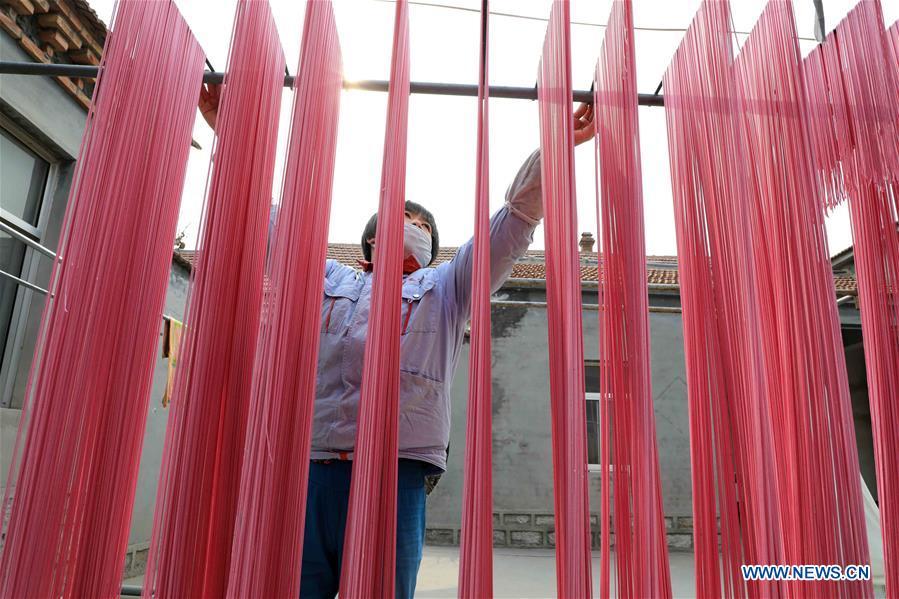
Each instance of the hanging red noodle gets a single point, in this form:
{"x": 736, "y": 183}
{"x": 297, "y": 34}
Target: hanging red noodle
{"x": 369, "y": 556}
{"x": 82, "y": 428}
{"x": 197, "y": 494}
{"x": 767, "y": 382}
{"x": 476, "y": 543}
{"x": 852, "y": 85}
{"x": 821, "y": 516}
{"x": 893, "y": 34}
{"x": 730, "y": 446}
{"x": 641, "y": 556}
{"x": 268, "y": 534}
{"x": 563, "y": 299}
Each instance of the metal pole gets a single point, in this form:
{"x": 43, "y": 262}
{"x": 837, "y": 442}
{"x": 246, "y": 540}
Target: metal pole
{"x": 416, "y": 87}
{"x": 15, "y": 233}
{"x": 23, "y": 282}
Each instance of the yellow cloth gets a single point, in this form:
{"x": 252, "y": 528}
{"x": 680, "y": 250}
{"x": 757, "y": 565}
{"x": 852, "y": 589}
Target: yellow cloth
{"x": 171, "y": 345}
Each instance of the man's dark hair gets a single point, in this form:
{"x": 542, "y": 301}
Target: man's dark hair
{"x": 415, "y": 210}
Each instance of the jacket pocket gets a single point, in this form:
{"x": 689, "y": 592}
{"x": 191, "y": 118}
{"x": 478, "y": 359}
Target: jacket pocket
{"x": 338, "y": 306}
{"x": 421, "y": 307}
{"x": 424, "y": 412}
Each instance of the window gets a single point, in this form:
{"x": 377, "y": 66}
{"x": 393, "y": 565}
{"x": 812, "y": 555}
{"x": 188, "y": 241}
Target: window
{"x": 23, "y": 176}
{"x": 593, "y": 439}
{"x": 12, "y": 254}
{"x": 591, "y": 386}
{"x": 593, "y": 395}
{"x": 28, "y": 174}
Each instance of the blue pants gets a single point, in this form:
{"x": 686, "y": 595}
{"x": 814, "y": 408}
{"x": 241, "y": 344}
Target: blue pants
{"x": 326, "y": 511}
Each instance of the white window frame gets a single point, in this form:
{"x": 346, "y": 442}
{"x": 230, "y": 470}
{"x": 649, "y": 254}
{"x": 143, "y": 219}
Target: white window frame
{"x": 11, "y": 357}
{"x": 11, "y": 129}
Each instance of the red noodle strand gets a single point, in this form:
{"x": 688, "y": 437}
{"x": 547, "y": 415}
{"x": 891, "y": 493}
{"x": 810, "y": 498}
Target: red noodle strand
{"x": 626, "y": 390}
{"x": 768, "y": 390}
{"x": 369, "y": 556}
{"x": 852, "y": 84}
{"x": 893, "y": 34}
{"x": 821, "y": 517}
{"x": 197, "y": 493}
{"x": 268, "y": 537}
{"x": 563, "y": 295}
{"x": 729, "y": 425}
{"x": 82, "y": 428}
{"x": 476, "y": 551}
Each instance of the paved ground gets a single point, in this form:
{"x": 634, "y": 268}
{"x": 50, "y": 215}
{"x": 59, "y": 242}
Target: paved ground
{"x": 523, "y": 573}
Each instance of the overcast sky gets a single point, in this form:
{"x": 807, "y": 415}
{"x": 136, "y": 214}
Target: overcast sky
{"x": 441, "y": 161}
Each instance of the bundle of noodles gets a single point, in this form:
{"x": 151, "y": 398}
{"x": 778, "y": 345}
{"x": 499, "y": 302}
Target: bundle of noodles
{"x": 86, "y": 405}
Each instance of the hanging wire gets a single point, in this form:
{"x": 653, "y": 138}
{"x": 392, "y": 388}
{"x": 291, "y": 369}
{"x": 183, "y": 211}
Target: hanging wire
{"x": 543, "y": 19}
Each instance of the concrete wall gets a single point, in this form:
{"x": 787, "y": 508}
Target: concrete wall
{"x": 522, "y": 444}
{"x": 9, "y": 425}
{"x": 41, "y": 103}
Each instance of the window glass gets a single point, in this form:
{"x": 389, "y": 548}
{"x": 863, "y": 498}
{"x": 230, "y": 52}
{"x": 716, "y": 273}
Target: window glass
{"x": 591, "y": 377}
{"x": 12, "y": 253}
{"x": 23, "y": 175}
{"x": 592, "y": 431}
{"x": 591, "y": 386}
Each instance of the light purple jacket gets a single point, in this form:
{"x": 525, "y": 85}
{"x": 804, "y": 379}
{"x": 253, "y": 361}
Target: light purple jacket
{"x": 437, "y": 301}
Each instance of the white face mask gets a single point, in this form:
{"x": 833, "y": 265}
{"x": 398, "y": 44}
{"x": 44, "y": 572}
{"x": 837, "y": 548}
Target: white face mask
{"x": 416, "y": 243}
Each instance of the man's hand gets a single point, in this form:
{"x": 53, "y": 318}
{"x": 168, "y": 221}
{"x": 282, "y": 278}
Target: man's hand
{"x": 583, "y": 124}
{"x": 209, "y": 102}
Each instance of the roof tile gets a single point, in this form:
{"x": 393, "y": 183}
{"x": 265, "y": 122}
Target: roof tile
{"x": 661, "y": 270}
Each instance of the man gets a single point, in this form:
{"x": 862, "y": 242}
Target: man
{"x": 436, "y": 305}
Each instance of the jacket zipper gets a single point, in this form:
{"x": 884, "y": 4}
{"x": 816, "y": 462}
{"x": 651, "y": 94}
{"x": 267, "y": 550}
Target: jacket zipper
{"x": 408, "y": 314}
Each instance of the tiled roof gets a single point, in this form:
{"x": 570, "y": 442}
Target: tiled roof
{"x": 89, "y": 15}
{"x": 532, "y": 266}
{"x": 185, "y": 258}
{"x": 57, "y": 31}
{"x": 846, "y": 284}
{"x": 349, "y": 253}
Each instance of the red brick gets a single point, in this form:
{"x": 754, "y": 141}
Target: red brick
{"x": 84, "y": 56}
{"x": 9, "y": 25}
{"x": 61, "y": 23}
{"x": 23, "y": 7}
{"x": 54, "y": 38}
{"x": 32, "y": 49}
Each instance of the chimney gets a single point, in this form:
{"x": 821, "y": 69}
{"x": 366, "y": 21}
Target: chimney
{"x": 587, "y": 242}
